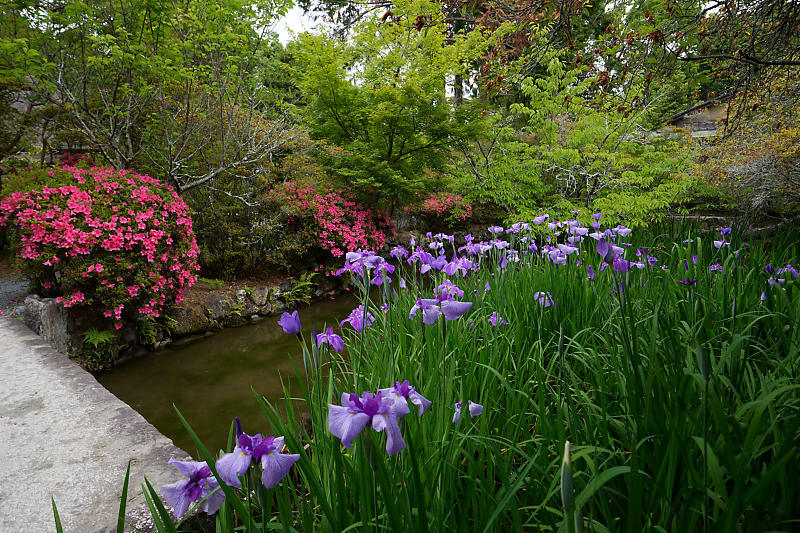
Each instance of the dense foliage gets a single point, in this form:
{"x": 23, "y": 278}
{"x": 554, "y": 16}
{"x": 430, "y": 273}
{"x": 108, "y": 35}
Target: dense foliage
{"x": 667, "y": 359}
{"x": 118, "y": 242}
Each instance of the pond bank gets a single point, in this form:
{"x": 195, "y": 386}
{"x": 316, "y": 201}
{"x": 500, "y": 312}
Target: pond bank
{"x": 63, "y": 435}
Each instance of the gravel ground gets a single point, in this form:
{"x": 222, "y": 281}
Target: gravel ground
{"x": 12, "y": 289}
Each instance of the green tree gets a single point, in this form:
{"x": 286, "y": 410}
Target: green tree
{"x": 164, "y": 87}
{"x": 381, "y": 98}
{"x": 559, "y": 150}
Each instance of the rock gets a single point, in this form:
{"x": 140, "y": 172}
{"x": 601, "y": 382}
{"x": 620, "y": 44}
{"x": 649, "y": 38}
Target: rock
{"x": 48, "y": 319}
{"x": 191, "y": 319}
{"x": 220, "y": 305}
{"x": 286, "y": 286}
{"x": 278, "y": 306}
{"x": 260, "y": 296}
{"x": 266, "y": 309}
{"x": 244, "y": 306}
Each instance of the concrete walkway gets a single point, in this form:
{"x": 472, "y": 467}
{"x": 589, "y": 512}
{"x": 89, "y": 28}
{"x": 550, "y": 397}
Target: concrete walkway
{"x": 63, "y": 435}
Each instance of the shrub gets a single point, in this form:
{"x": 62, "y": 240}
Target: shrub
{"x": 337, "y": 222}
{"x": 118, "y": 242}
{"x": 442, "y": 208}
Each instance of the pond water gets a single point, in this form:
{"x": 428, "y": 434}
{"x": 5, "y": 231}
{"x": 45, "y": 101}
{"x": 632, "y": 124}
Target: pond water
{"x": 210, "y": 378}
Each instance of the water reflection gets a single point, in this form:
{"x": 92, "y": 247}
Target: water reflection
{"x": 210, "y": 378}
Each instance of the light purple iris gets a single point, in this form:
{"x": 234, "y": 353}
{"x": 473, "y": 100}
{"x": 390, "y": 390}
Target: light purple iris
{"x": 290, "y": 323}
{"x": 399, "y": 252}
{"x": 496, "y": 320}
{"x": 358, "y": 319}
{"x": 763, "y": 296}
{"x": 274, "y": 464}
{"x": 329, "y": 337}
{"x": 430, "y": 310}
{"x": 199, "y": 484}
{"x": 716, "y": 267}
{"x": 545, "y": 299}
{"x": 590, "y": 273}
{"x": 448, "y": 291}
{"x": 540, "y": 219}
{"x": 724, "y": 231}
{"x": 382, "y": 272}
{"x": 720, "y": 244}
{"x": 608, "y": 251}
{"x": 403, "y": 391}
{"x": 622, "y": 231}
{"x": 355, "y": 413}
{"x": 519, "y": 226}
{"x": 495, "y": 229}
{"x": 474, "y": 410}
{"x": 453, "y": 309}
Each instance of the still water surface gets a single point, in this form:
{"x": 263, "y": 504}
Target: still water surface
{"x": 210, "y": 378}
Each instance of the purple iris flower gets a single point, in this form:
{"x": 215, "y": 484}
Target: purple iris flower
{"x": 448, "y": 291}
{"x": 590, "y": 273}
{"x": 329, "y": 337}
{"x": 405, "y": 391}
{"x": 519, "y": 226}
{"x": 487, "y": 287}
{"x": 724, "y": 231}
{"x": 474, "y": 410}
{"x": 687, "y": 281}
{"x": 540, "y": 219}
{"x": 290, "y": 323}
{"x": 496, "y": 320}
{"x": 790, "y": 269}
{"x": 567, "y": 249}
{"x": 608, "y": 251}
{"x": 763, "y": 296}
{"x": 495, "y": 229}
{"x": 453, "y": 309}
{"x": 399, "y": 252}
{"x": 769, "y": 269}
{"x": 382, "y": 272}
{"x": 545, "y": 299}
{"x": 430, "y": 310}
{"x": 720, "y": 244}
{"x": 503, "y": 263}
{"x": 274, "y": 464}
{"x": 199, "y": 484}
{"x": 716, "y": 267}
{"x": 622, "y": 231}
{"x": 380, "y": 412}
{"x": 358, "y": 319}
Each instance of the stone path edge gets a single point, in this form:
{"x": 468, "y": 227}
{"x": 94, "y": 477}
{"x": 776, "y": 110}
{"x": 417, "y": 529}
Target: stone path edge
{"x": 63, "y": 435}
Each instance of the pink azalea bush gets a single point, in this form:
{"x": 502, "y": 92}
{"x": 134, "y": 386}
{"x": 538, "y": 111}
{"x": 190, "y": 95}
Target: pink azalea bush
{"x": 117, "y": 241}
{"x": 338, "y": 223}
{"x": 442, "y": 207}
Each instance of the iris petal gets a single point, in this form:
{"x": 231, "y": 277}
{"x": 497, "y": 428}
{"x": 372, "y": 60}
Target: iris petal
{"x": 344, "y": 424}
{"x": 276, "y": 465}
